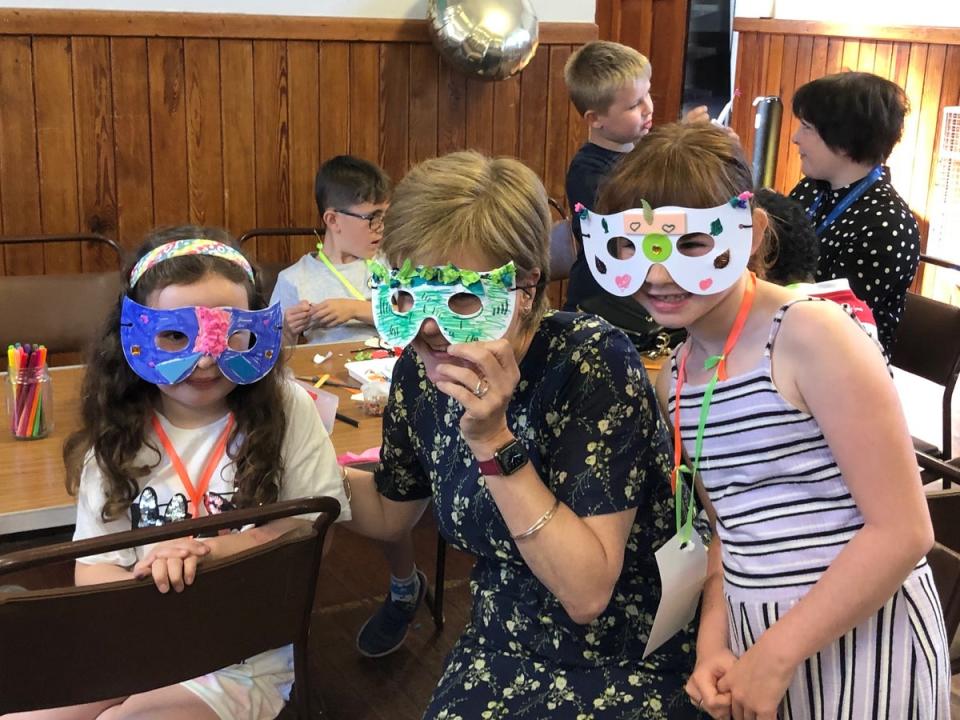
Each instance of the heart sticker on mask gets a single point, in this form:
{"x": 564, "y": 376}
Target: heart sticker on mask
{"x": 705, "y": 284}
{"x": 622, "y": 281}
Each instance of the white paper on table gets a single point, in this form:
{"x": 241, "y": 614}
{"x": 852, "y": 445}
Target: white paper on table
{"x": 682, "y": 573}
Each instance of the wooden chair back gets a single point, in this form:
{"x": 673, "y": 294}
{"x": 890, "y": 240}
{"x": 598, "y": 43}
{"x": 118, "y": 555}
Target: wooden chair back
{"x": 928, "y": 344}
{"x": 63, "y": 312}
{"x": 268, "y": 271}
{"x": 74, "y": 645}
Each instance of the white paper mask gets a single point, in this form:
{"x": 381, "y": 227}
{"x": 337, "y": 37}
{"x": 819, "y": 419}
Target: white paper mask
{"x": 654, "y": 235}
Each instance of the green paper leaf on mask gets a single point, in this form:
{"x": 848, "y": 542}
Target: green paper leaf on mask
{"x": 377, "y": 271}
{"x": 469, "y": 277}
{"x": 716, "y": 227}
{"x": 603, "y": 221}
{"x": 647, "y": 212}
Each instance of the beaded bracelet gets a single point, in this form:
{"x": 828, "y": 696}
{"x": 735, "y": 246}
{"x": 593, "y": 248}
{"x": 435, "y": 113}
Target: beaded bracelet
{"x": 541, "y": 521}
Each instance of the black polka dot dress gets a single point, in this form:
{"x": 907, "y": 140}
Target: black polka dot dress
{"x": 874, "y": 244}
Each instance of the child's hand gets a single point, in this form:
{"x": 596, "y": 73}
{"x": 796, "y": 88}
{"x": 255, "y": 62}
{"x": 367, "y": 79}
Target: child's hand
{"x": 699, "y": 114}
{"x": 702, "y": 685}
{"x": 297, "y": 317}
{"x": 756, "y": 683}
{"x": 172, "y": 563}
{"x": 331, "y": 313}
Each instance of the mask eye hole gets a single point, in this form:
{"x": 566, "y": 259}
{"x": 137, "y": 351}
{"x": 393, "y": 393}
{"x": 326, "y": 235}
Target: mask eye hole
{"x": 242, "y": 340}
{"x": 464, "y": 304}
{"x": 171, "y": 341}
{"x": 621, "y": 247}
{"x": 695, "y": 244}
{"x": 401, "y": 301}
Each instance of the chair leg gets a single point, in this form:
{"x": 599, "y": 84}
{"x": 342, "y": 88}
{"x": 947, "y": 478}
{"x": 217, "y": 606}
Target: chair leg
{"x": 438, "y": 582}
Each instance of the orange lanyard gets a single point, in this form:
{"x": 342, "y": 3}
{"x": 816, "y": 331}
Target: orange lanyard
{"x": 196, "y": 493}
{"x": 718, "y": 361}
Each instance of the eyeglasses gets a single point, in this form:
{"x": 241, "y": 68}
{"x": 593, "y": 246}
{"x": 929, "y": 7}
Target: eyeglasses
{"x": 374, "y": 219}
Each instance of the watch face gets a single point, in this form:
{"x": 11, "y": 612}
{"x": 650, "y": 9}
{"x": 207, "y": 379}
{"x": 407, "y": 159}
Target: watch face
{"x": 511, "y": 457}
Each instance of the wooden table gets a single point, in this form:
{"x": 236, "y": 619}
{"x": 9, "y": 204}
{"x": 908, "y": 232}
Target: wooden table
{"x": 32, "y": 492}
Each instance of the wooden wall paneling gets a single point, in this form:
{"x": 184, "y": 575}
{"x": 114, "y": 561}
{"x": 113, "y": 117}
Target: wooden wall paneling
{"x": 742, "y": 119}
{"x": 636, "y": 25}
{"x": 304, "y": 83}
{"x": 506, "y": 117}
{"x": 901, "y": 161}
{"x": 335, "y": 88}
{"x": 834, "y": 56}
{"x": 239, "y": 138}
{"x": 131, "y": 131}
{"x": 789, "y": 122}
{"x": 605, "y": 17}
{"x": 271, "y": 122}
{"x": 18, "y": 161}
{"x": 558, "y": 117}
{"x": 802, "y": 76}
{"x": 394, "y": 112}
{"x": 364, "y": 79}
{"x": 927, "y": 112}
{"x": 96, "y": 170}
{"x": 851, "y": 54}
{"x": 56, "y": 150}
{"x": 534, "y": 86}
{"x": 201, "y": 59}
{"x": 868, "y": 52}
{"x": 667, "y": 53}
{"x": 882, "y": 57}
{"x": 168, "y": 131}
{"x": 479, "y": 129}
{"x": 452, "y": 110}
{"x": 818, "y": 59}
{"x": 774, "y": 69}
{"x": 576, "y": 136}
{"x": 424, "y": 102}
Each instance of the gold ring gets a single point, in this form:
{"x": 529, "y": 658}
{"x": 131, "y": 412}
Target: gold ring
{"x": 481, "y": 389}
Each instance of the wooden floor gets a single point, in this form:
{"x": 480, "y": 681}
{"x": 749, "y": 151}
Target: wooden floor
{"x": 397, "y": 687}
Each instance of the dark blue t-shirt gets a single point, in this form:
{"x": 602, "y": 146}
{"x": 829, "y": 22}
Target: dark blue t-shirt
{"x": 588, "y": 167}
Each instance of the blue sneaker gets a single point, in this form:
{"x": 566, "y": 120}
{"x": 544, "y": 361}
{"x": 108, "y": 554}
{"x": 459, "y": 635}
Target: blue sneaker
{"x": 385, "y": 631}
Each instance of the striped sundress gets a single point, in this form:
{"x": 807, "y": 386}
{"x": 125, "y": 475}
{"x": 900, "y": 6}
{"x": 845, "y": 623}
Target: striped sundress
{"x": 784, "y": 512}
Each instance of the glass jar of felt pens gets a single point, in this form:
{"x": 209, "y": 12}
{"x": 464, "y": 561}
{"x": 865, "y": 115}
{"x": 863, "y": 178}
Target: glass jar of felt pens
{"x": 30, "y": 393}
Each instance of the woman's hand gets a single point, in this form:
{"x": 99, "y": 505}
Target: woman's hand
{"x": 756, "y": 683}
{"x": 702, "y": 685}
{"x": 484, "y": 385}
{"x": 172, "y": 563}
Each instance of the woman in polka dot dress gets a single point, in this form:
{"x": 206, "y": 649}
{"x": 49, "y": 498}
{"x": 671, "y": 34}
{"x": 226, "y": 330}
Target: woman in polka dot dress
{"x": 849, "y": 123}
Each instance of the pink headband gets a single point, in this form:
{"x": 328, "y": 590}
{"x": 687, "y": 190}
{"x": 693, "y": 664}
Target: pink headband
{"x": 195, "y": 246}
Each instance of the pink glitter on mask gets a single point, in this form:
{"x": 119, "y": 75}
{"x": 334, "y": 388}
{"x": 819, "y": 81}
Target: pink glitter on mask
{"x": 212, "y": 338}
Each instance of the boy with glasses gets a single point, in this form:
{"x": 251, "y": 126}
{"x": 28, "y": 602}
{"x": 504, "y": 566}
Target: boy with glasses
{"x": 324, "y": 294}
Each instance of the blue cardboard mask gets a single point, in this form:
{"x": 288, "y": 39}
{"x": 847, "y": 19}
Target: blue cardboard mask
{"x": 164, "y": 346}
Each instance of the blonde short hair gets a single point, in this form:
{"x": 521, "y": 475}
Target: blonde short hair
{"x": 595, "y": 73}
{"x": 494, "y": 205}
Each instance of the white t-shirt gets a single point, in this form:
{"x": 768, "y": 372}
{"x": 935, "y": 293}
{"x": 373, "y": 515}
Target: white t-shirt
{"x": 309, "y": 279}
{"x": 310, "y": 468}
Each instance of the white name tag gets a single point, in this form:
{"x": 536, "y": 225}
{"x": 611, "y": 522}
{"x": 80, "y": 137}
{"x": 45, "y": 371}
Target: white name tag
{"x": 682, "y": 573}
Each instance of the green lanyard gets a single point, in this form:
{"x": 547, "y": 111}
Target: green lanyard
{"x": 685, "y": 528}
{"x": 339, "y": 275}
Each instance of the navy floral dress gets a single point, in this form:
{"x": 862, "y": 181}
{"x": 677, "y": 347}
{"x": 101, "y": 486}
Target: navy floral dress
{"x": 587, "y": 415}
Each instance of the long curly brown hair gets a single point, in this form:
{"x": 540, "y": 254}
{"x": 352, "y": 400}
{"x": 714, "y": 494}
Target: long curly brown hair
{"x": 117, "y": 405}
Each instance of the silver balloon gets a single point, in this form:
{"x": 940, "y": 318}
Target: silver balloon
{"x": 490, "y": 38}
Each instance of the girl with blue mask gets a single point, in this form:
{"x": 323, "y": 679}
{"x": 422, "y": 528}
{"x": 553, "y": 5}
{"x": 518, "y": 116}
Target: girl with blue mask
{"x": 184, "y": 413}
{"x": 535, "y": 433}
